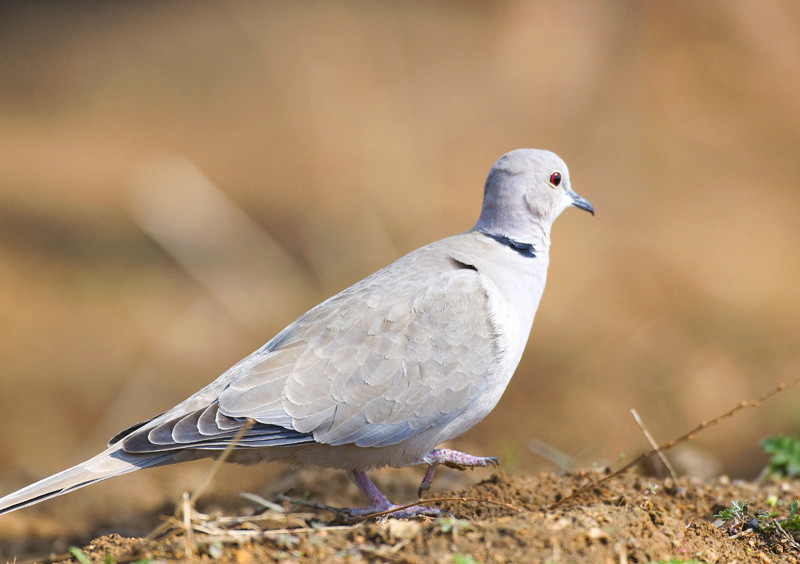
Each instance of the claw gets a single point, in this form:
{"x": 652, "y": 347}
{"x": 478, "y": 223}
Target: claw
{"x": 451, "y": 459}
{"x": 458, "y": 460}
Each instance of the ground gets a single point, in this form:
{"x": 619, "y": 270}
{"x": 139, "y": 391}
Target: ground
{"x": 504, "y": 518}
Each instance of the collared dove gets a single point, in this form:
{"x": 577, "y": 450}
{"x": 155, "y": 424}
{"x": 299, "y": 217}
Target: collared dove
{"x": 381, "y": 373}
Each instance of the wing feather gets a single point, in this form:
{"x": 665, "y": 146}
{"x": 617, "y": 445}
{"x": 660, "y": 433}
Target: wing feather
{"x": 406, "y": 349}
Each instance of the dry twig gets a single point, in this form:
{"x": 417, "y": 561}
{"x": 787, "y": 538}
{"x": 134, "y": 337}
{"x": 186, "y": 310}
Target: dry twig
{"x": 683, "y": 438}
{"x": 785, "y": 536}
{"x": 379, "y": 514}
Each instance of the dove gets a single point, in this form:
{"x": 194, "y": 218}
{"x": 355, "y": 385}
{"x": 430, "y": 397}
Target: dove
{"x": 383, "y": 372}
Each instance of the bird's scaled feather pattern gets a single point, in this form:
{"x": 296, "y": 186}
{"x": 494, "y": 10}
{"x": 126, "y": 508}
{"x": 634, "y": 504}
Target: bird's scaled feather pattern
{"x": 381, "y": 373}
{"x": 400, "y": 352}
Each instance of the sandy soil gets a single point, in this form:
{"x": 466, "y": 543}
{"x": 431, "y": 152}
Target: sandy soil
{"x": 505, "y": 518}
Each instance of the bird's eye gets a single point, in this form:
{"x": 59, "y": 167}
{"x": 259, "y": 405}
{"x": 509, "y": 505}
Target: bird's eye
{"x": 555, "y": 179}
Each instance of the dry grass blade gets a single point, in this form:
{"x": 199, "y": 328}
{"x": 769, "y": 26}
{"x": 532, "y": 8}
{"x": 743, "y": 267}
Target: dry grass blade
{"x": 187, "y": 527}
{"x": 683, "y": 438}
{"x": 550, "y": 453}
{"x": 239, "y": 535}
{"x": 654, "y": 444}
{"x": 247, "y": 520}
{"x": 220, "y": 460}
{"x": 188, "y": 502}
{"x": 306, "y": 503}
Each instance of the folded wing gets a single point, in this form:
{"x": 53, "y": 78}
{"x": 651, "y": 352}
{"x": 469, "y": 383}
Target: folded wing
{"x": 403, "y": 350}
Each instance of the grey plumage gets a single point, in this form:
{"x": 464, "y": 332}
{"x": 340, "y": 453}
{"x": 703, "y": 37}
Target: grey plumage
{"x": 382, "y": 372}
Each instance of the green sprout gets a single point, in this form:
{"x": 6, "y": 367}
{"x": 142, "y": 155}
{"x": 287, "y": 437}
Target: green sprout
{"x": 784, "y": 455}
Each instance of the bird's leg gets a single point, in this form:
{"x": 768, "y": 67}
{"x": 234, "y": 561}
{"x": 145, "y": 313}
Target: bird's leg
{"x": 451, "y": 459}
{"x": 378, "y": 502}
{"x": 427, "y": 479}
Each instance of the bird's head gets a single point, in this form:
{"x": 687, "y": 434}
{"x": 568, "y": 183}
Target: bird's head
{"x": 525, "y": 190}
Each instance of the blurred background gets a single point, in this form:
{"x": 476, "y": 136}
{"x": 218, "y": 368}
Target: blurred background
{"x": 179, "y": 181}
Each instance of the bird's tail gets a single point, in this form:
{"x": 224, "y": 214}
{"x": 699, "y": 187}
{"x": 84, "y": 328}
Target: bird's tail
{"x": 109, "y": 463}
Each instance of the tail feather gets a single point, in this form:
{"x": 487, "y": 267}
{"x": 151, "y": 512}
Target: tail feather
{"x": 108, "y": 464}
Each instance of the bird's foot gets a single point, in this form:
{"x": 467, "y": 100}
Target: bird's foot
{"x": 451, "y": 459}
{"x": 380, "y": 507}
{"x": 458, "y": 460}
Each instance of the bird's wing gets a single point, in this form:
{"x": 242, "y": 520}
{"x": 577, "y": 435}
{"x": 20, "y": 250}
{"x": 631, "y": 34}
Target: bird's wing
{"x": 405, "y": 349}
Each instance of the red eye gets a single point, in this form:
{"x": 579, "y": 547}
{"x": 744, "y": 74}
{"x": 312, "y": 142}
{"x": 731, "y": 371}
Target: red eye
{"x": 555, "y": 179}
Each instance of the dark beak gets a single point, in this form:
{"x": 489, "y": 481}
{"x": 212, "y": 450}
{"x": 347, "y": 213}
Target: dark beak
{"x": 581, "y": 203}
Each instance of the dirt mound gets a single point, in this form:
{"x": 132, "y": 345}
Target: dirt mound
{"x": 505, "y": 518}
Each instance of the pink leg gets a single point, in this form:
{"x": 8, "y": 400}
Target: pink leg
{"x": 451, "y": 459}
{"x": 378, "y": 502}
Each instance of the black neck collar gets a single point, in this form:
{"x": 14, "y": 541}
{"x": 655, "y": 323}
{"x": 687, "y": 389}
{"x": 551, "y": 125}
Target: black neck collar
{"x": 525, "y": 249}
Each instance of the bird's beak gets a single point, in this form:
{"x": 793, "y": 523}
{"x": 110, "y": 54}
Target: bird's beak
{"x": 581, "y": 203}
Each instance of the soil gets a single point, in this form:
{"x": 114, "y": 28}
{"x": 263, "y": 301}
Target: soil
{"x": 504, "y": 518}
